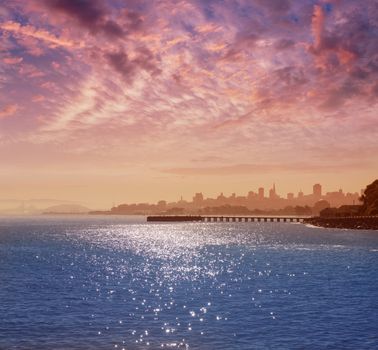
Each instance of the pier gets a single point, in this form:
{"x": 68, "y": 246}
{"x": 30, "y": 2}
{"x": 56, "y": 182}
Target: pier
{"x": 199, "y": 218}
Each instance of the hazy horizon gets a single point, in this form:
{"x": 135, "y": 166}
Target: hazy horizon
{"x": 115, "y": 101}
{"x": 128, "y": 194}
{"x": 5, "y": 203}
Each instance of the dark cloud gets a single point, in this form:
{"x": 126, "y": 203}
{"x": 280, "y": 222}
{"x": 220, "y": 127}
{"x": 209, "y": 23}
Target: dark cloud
{"x": 351, "y": 41}
{"x": 283, "y": 86}
{"x": 375, "y": 90}
{"x": 112, "y": 29}
{"x": 145, "y": 60}
{"x": 290, "y": 76}
{"x": 134, "y": 20}
{"x": 346, "y": 53}
{"x": 243, "y": 41}
{"x": 86, "y": 11}
{"x": 284, "y": 44}
{"x": 90, "y": 14}
{"x": 373, "y": 64}
{"x": 277, "y": 6}
{"x": 359, "y": 73}
{"x": 121, "y": 63}
{"x": 338, "y": 96}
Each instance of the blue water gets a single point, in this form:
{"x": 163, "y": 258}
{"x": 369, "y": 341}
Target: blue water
{"x": 122, "y": 283}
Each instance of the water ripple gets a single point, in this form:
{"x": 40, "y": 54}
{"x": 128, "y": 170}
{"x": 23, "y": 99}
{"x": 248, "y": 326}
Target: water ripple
{"x": 113, "y": 283}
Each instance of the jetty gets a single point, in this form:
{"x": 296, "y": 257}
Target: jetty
{"x": 215, "y": 218}
{"x": 352, "y": 222}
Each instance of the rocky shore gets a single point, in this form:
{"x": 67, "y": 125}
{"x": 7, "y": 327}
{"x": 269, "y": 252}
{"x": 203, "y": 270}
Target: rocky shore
{"x": 354, "y": 223}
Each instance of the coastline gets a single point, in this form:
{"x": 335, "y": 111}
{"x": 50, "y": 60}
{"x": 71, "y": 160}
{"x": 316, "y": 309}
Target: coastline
{"x": 353, "y": 223}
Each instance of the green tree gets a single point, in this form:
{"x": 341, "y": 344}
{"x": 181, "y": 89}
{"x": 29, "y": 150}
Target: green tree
{"x": 370, "y": 199}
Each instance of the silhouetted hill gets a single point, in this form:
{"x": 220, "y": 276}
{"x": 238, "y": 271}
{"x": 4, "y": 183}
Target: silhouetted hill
{"x": 370, "y": 199}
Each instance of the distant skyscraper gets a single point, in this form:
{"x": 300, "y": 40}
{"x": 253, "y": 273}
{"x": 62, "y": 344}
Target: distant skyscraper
{"x": 317, "y": 190}
{"x": 221, "y": 199}
{"x": 272, "y": 192}
{"x": 290, "y": 196}
{"x": 261, "y": 192}
{"x": 198, "y": 199}
{"x": 251, "y": 195}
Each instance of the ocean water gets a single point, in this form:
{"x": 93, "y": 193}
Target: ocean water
{"x": 122, "y": 283}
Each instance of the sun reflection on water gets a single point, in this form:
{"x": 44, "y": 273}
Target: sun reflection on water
{"x": 140, "y": 286}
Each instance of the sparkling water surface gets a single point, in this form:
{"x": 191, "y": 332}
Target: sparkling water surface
{"x": 122, "y": 283}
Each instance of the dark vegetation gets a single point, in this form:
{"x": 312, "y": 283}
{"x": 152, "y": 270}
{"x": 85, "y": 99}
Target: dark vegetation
{"x": 370, "y": 200}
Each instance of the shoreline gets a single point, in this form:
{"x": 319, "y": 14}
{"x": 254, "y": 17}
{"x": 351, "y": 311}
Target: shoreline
{"x": 353, "y": 223}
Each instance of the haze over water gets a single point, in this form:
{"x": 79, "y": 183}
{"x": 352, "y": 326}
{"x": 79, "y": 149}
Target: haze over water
{"x": 106, "y": 283}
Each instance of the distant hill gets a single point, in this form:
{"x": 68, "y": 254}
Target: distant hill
{"x": 66, "y": 209}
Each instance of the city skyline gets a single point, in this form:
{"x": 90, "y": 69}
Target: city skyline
{"x": 269, "y": 197}
{"x": 254, "y": 202}
{"x": 184, "y": 194}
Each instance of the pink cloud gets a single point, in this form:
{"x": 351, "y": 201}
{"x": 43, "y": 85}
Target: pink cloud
{"x": 317, "y": 25}
{"x": 12, "y": 60}
{"x": 40, "y": 34}
{"x": 92, "y": 15}
{"x": 326, "y": 44}
{"x": 30, "y": 71}
{"x": 38, "y": 98}
{"x": 8, "y": 110}
{"x": 206, "y": 28}
{"x": 55, "y": 65}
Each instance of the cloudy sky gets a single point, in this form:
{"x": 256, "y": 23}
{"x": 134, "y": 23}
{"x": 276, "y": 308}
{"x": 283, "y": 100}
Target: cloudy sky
{"x": 136, "y": 100}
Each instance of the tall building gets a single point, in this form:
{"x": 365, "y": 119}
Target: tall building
{"x": 272, "y": 192}
{"x": 251, "y": 195}
{"x": 198, "y": 199}
{"x": 221, "y": 199}
{"x": 290, "y": 196}
{"x": 261, "y": 192}
{"x": 317, "y": 190}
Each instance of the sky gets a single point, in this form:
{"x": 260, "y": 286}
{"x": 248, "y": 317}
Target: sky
{"x": 120, "y": 101}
